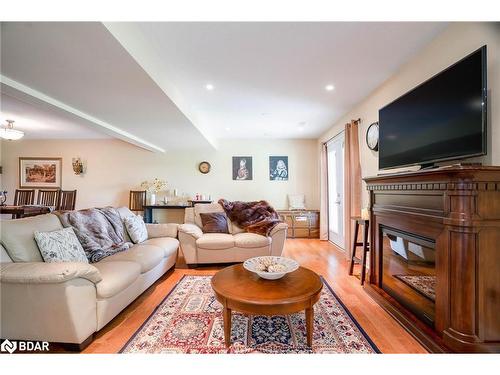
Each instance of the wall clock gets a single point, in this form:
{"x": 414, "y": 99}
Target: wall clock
{"x": 372, "y": 136}
{"x": 204, "y": 167}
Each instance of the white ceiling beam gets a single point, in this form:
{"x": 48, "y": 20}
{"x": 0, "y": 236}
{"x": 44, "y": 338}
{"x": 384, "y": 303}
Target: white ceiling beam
{"x": 94, "y": 121}
{"x": 138, "y": 47}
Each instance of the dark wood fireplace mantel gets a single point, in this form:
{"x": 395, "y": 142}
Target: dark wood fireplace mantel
{"x": 458, "y": 209}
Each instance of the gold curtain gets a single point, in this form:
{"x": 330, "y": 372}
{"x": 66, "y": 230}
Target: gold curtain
{"x": 352, "y": 182}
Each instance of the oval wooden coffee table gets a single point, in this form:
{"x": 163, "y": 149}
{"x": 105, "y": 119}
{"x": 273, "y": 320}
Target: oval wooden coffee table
{"x": 238, "y": 289}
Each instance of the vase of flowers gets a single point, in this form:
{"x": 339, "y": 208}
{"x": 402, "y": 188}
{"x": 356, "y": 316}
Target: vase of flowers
{"x": 154, "y": 187}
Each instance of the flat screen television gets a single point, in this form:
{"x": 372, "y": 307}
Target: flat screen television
{"x": 443, "y": 118}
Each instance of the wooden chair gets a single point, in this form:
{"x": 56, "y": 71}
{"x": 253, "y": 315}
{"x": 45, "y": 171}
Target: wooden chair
{"x": 49, "y": 198}
{"x": 365, "y": 246}
{"x": 137, "y": 200}
{"x": 67, "y": 200}
{"x": 23, "y": 198}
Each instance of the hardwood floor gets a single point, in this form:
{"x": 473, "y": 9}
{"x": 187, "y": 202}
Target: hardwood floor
{"x": 320, "y": 256}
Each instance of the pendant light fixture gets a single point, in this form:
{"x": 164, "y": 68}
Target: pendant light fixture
{"x": 8, "y": 132}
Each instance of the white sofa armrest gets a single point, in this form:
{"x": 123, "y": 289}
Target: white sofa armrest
{"x": 162, "y": 230}
{"x": 188, "y": 234}
{"x": 47, "y": 273}
{"x": 278, "y": 227}
{"x": 278, "y": 235}
{"x": 191, "y": 229}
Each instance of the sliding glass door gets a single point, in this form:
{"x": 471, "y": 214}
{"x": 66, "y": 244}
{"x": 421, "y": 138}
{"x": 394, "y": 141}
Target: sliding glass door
{"x": 335, "y": 160}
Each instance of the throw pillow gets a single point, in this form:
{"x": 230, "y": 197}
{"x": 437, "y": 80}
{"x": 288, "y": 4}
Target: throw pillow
{"x": 136, "y": 228}
{"x": 214, "y": 222}
{"x": 60, "y": 246}
{"x": 296, "y": 202}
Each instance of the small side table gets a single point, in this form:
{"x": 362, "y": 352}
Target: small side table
{"x": 355, "y": 244}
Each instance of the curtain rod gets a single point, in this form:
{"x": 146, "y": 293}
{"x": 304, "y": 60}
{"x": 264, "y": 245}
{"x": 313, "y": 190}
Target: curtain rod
{"x": 329, "y": 139}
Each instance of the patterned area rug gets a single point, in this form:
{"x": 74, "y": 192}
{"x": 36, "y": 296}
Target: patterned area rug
{"x": 425, "y": 285}
{"x": 189, "y": 320}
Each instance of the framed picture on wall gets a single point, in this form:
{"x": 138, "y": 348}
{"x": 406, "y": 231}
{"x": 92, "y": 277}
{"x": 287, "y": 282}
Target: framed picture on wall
{"x": 242, "y": 168}
{"x": 40, "y": 172}
{"x": 278, "y": 168}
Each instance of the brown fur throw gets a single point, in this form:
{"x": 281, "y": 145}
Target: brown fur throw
{"x": 99, "y": 230}
{"x": 254, "y": 217}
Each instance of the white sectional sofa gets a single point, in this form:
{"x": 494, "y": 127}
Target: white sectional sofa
{"x": 236, "y": 246}
{"x": 68, "y": 302}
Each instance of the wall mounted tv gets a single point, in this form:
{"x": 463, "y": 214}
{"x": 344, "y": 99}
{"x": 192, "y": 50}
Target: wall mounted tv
{"x": 443, "y": 118}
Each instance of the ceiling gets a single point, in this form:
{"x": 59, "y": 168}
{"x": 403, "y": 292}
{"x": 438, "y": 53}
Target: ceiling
{"x": 270, "y": 78}
{"x": 146, "y": 82}
{"x": 82, "y": 66}
{"x": 38, "y": 120}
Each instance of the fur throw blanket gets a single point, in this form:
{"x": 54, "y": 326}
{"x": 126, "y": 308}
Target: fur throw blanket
{"x": 100, "y": 231}
{"x": 255, "y": 217}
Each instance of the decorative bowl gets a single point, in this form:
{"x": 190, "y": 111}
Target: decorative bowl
{"x": 269, "y": 267}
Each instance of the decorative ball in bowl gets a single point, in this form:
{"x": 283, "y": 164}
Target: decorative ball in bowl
{"x": 269, "y": 267}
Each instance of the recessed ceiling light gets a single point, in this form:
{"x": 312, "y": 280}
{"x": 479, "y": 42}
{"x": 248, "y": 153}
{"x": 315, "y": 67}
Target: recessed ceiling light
{"x": 329, "y": 87}
{"x": 228, "y": 128}
{"x": 209, "y": 86}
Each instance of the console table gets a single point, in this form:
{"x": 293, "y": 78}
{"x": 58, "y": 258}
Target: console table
{"x": 148, "y": 209}
{"x": 442, "y": 225}
{"x": 24, "y": 211}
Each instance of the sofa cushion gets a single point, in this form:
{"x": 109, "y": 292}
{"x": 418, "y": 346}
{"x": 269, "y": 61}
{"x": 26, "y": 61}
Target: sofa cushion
{"x": 116, "y": 276}
{"x": 60, "y": 246}
{"x": 146, "y": 255}
{"x": 18, "y": 236}
{"x": 251, "y": 240}
{"x": 168, "y": 244}
{"x": 214, "y": 222}
{"x": 205, "y": 209}
{"x": 236, "y": 229}
{"x": 4, "y": 255}
{"x": 162, "y": 230}
{"x": 136, "y": 228}
{"x": 215, "y": 241}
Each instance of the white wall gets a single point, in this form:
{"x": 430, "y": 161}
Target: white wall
{"x": 454, "y": 43}
{"x": 115, "y": 167}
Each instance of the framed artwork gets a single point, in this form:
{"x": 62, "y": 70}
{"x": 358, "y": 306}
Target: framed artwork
{"x": 278, "y": 168}
{"x": 40, "y": 172}
{"x": 242, "y": 168}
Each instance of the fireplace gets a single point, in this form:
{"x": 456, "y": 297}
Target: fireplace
{"x": 409, "y": 271}
{"x": 434, "y": 258}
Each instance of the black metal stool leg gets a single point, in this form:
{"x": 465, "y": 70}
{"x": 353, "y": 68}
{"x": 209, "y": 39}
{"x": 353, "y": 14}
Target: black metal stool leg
{"x": 354, "y": 246}
{"x": 365, "y": 250}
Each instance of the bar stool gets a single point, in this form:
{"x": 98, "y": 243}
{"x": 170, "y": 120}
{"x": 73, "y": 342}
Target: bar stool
{"x": 355, "y": 244}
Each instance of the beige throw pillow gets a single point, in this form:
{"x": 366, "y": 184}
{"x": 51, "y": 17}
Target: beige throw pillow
{"x": 60, "y": 246}
{"x": 136, "y": 228}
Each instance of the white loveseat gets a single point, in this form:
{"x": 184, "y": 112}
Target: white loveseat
{"x": 236, "y": 246}
{"x": 68, "y": 302}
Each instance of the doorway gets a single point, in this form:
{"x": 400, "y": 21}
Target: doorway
{"x": 335, "y": 165}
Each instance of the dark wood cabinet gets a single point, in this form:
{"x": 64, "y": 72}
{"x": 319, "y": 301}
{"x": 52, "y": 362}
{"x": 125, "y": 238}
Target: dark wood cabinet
{"x": 301, "y": 223}
{"x": 450, "y": 216}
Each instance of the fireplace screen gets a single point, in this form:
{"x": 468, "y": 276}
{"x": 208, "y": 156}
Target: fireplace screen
{"x": 409, "y": 271}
